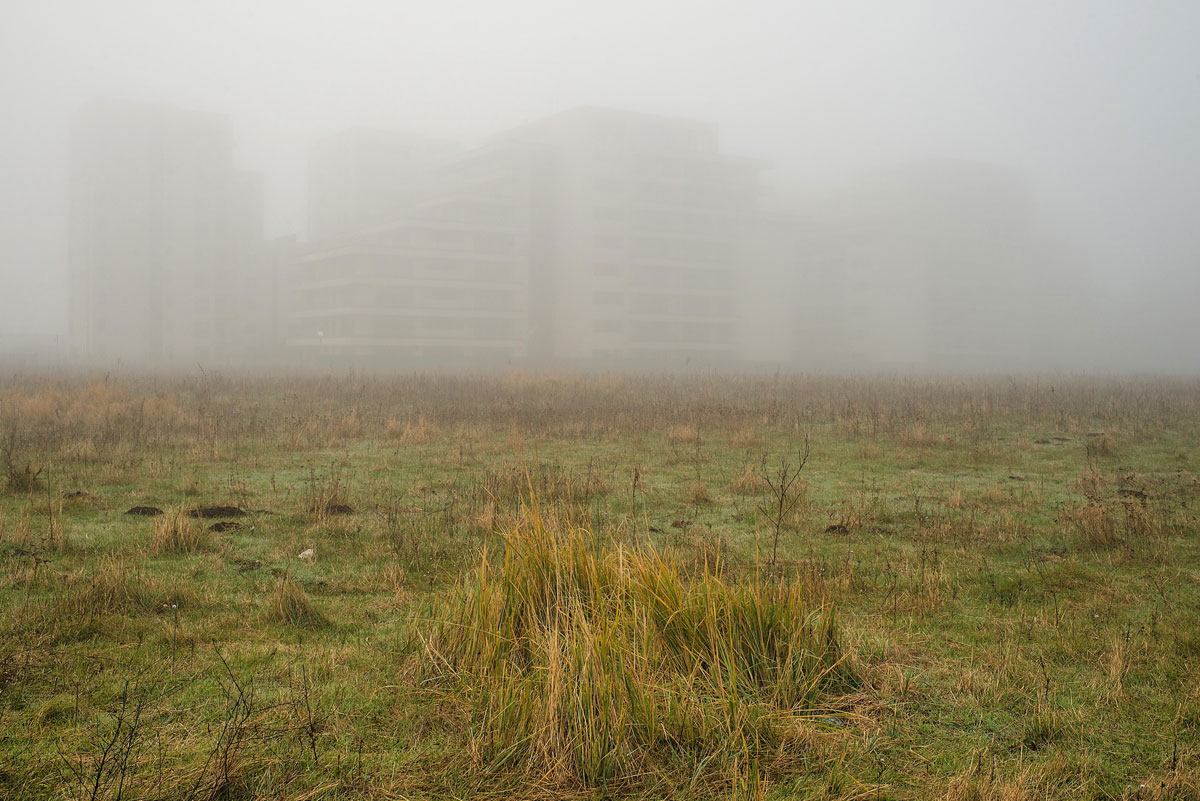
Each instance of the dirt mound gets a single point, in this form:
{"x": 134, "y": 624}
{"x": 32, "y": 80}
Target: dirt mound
{"x": 210, "y": 512}
{"x": 226, "y": 525}
{"x": 145, "y": 511}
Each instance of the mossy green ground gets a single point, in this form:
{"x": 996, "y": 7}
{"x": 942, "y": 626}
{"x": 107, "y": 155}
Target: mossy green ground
{"x": 1015, "y": 565}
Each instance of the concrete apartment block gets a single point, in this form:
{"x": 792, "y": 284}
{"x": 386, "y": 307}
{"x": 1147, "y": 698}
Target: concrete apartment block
{"x": 445, "y": 282}
{"x": 165, "y": 239}
{"x": 595, "y": 236}
{"x": 930, "y": 265}
{"x": 649, "y": 223}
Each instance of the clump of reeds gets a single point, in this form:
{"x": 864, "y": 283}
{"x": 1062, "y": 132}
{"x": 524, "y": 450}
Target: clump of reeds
{"x": 291, "y": 605}
{"x": 587, "y": 664}
{"x": 177, "y": 533}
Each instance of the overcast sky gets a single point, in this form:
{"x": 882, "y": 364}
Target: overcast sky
{"x": 1097, "y": 102}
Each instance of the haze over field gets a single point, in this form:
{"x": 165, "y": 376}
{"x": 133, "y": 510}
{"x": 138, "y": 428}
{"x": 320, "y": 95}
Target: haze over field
{"x": 1089, "y": 112}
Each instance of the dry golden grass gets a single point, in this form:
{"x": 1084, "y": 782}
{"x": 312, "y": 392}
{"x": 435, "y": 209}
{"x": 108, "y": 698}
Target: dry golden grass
{"x": 697, "y": 494}
{"x": 177, "y": 533}
{"x": 683, "y": 435}
{"x": 420, "y": 431}
{"x": 351, "y": 425}
{"x": 749, "y": 482}
{"x": 291, "y": 605}
{"x": 588, "y": 666}
{"x": 114, "y": 587}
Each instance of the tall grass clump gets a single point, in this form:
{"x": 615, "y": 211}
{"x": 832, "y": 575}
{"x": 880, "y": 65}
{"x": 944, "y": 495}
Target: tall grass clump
{"x": 112, "y": 587}
{"x": 176, "y": 533}
{"x": 291, "y": 605}
{"x": 585, "y": 664}
{"x": 325, "y": 498}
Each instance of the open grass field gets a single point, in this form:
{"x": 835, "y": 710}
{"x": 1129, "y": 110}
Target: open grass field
{"x": 597, "y": 587}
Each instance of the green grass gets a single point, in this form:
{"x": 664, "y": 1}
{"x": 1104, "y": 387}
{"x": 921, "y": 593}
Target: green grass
{"x": 1012, "y": 565}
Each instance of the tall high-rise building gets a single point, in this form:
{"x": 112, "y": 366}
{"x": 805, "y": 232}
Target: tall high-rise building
{"x": 593, "y": 236}
{"x": 930, "y": 265}
{"x": 436, "y": 273}
{"x": 363, "y": 178}
{"x": 649, "y": 223}
{"x": 166, "y": 259}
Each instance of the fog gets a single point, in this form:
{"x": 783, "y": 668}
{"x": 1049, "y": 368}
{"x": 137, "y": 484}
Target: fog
{"x": 931, "y": 185}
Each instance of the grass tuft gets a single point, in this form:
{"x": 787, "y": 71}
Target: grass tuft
{"x": 176, "y": 533}
{"x": 749, "y": 482}
{"x": 592, "y": 665}
{"x": 291, "y": 605}
{"x": 111, "y": 588}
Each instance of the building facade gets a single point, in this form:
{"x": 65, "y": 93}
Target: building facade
{"x": 363, "y": 178}
{"x": 930, "y": 266}
{"x": 165, "y": 240}
{"x": 444, "y": 282}
{"x": 595, "y": 236}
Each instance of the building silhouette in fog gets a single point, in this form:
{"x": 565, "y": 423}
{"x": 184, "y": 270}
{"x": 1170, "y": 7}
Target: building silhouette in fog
{"x": 362, "y": 178}
{"x": 929, "y": 265}
{"x": 592, "y": 236}
{"x": 165, "y": 240}
{"x": 426, "y": 263}
{"x": 646, "y": 228}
